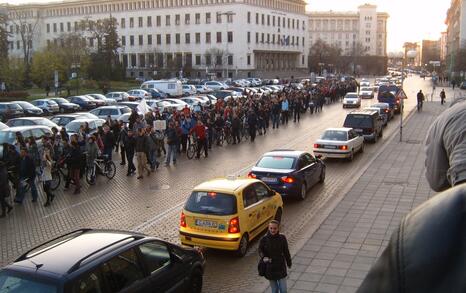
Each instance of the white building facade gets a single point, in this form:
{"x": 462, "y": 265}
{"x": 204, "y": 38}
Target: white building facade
{"x": 365, "y": 29}
{"x": 199, "y": 38}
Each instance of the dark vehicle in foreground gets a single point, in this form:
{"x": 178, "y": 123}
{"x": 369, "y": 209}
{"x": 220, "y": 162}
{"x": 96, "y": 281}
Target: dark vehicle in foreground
{"x": 8, "y": 135}
{"x": 288, "y": 172}
{"x": 90, "y": 260}
{"x": 65, "y": 106}
{"x": 367, "y": 123}
{"x": 29, "y": 109}
{"x": 10, "y": 110}
{"x": 387, "y": 94}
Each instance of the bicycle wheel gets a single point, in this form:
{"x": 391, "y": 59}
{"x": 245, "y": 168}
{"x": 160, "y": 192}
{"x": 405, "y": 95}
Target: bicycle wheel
{"x": 191, "y": 151}
{"x": 90, "y": 176}
{"x": 56, "y": 180}
{"x": 110, "y": 169}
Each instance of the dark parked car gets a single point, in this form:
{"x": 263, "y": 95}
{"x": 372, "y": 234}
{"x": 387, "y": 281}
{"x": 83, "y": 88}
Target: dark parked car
{"x": 89, "y": 260}
{"x": 10, "y": 110}
{"x": 29, "y": 109}
{"x": 83, "y": 102}
{"x": 65, "y": 105}
{"x": 289, "y": 172}
{"x": 157, "y": 94}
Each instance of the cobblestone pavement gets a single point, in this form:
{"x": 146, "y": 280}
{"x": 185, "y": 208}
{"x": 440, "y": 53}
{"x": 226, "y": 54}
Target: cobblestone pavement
{"x": 152, "y": 205}
{"x": 340, "y": 252}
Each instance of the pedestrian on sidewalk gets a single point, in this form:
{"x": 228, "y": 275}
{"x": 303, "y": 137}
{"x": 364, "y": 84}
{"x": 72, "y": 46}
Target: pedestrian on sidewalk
{"x": 27, "y": 175}
{"x": 434, "y": 232}
{"x": 47, "y": 175}
{"x": 141, "y": 148}
{"x": 273, "y": 250}
{"x": 420, "y": 100}
{"x": 442, "y": 97}
{"x": 172, "y": 142}
{"x": 4, "y": 190}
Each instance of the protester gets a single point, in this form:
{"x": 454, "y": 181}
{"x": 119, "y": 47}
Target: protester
{"x": 141, "y": 147}
{"x": 4, "y": 190}
{"x": 27, "y": 176}
{"x": 47, "y": 175}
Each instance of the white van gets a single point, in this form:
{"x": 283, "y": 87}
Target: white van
{"x": 172, "y": 87}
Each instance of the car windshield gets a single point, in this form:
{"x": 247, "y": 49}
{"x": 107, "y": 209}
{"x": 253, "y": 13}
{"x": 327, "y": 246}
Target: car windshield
{"x": 62, "y": 121}
{"x": 10, "y": 282}
{"x": 212, "y": 203}
{"x": 358, "y": 121}
{"x": 352, "y": 96}
{"x": 60, "y": 100}
{"x": 46, "y": 122}
{"x": 337, "y": 135}
{"x": 14, "y": 106}
{"x": 51, "y": 103}
{"x": 125, "y": 110}
{"x": 25, "y": 105}
{"x": 8, "y": 137}
{"x": 276, "y": 162}
{"x": 73, "y": 126}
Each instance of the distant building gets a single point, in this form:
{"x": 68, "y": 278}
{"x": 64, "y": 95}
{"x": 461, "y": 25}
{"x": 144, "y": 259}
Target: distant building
{"x": 412, "y": 47}
{"x": 200, "y": 38}
{"x": 365, "y": 28}
{"x": 456, "y": 32}
{"x": 443, "y": 47}
{"x": 430, "y": 51}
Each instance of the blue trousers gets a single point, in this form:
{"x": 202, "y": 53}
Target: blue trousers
{"x": 278, "y": 286}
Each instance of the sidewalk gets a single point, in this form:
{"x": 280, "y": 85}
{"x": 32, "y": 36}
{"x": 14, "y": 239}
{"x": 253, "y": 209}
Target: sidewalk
{"x": 341, "y": 251}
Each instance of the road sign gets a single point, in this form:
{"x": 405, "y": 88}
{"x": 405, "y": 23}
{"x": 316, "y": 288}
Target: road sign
{"x": 401, "y": 94}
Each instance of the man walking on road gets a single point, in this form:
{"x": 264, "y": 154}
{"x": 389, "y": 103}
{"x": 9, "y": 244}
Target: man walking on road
{"x": 141, "y": 150}
{"x": 442, "y": 97}
{"x": 420, "y": 100}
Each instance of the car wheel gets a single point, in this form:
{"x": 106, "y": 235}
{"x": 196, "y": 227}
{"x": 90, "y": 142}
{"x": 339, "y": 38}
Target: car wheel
{"x": 351, "y": 156}
{"x": 196, "y": 281}
{"x": 322, "y": 176}
{"x": 243, "y": 245}
{"x": 278, "y": 215}
{"x": 303, "y": 193}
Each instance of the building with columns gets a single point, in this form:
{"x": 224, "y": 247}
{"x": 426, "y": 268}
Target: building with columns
{"x": 196, "y": 38}
{"x": 364, "y": 29}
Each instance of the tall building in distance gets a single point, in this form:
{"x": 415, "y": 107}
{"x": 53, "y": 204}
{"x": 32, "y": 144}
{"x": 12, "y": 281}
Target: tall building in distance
{"x": 364, "y": 30}
{"x": 196, "y": 38}
{"x": 456, "y": 32}
{"x": 430, "y": 51}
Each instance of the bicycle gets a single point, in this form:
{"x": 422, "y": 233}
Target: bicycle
{"x": 57, "y": 173}
{"x": 227, "y": 133}
{"x": 245, "y": 130}
{"x": 103, "y": 166}
{"x": 192, "y": 147}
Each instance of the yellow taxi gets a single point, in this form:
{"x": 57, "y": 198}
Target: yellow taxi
{"x": 228, "y": 213}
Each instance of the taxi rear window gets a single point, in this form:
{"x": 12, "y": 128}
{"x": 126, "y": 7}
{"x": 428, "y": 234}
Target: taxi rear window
{"x": 211, "y": 203}
{"x": 276, "y": 162}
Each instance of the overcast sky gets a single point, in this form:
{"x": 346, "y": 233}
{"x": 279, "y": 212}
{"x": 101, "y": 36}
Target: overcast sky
{"x": 410, "y": 20}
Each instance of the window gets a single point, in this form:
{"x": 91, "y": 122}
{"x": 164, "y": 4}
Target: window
{"x": 187, "y": 38}
{"x": 208, "y": 60}
{"x": 218, "y": 60}
{"x": 248, "y": 58}
{"x": 198, "y": 38}
{"x": 230, "y": 59}
{"x": 140, "y": 21}
{"x": 54, "y": 27}
{"x": 187, "y": 18}
{"x": 257, "y": 38}
{"x": 249, "y": 37}
{"x": 155, "y": 255}
{"x": 268, "y": 20}
{"x": 198, "y": 59}
{"x": 207, "y": 38}
{"x": 249, "y": 196}
{"x": 122, "y": 271}
{"x": 261, "y": 191}
{"x": 214, "y": 202}
{"x": 158, "y": 20}
{"x": 262, "y": 19}
{"x": 219, "y": 37}
{"x": 62, "y": 29}
{"x": 219, "y": 17}
{"x": 68, "y": 26}
{"x": 249, "y": 17}
{"x": 149, "y": 21}
{"x": 123, "y": 41}
{"x": 48, "y": 27}
{"x": 167, "y": 20}
{"x": 177, "y": 38}
{"x": 257, "y": 18}
{"x": 141, "y": 40}
{"x": 229, "y": 18}
{"x": 207, "y": 18}
{"x": 159, "y": 39}
{"x": 131, "y": 40}
{"x": 230, "y": 37}
{"x": 276, "y": 162}
{"x": 131, "y": 22}
{"x": 197, "y": 18}
{"x": 177, "y": 19}
{"x": 149, "y": 39}
{"x": 167, "y": 39}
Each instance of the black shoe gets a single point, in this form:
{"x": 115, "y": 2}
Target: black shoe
{"x": 140, "y": 177}
{"x": 128, "y": 174}
{"x": 122, "y": 163}
{"x": 52, "y": 197}
{"x": 47, "y": 203}
{"x": 157, "y": 165}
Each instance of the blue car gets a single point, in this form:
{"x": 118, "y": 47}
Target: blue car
{"x": 288, "y": 172}
{"x": 157, "y": 94}
{"x": 90, "y": 260}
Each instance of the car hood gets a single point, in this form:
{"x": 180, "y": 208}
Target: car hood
{"x": 269, "y": 170}
{"x": 350, "y": 99}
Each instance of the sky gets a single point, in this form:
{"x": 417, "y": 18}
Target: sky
{"x": 410, "y": 20}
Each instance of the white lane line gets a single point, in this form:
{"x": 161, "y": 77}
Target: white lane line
{"x": 73, "y": 206}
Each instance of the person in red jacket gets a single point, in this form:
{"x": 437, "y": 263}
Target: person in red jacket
{"x": 200, "y": 131}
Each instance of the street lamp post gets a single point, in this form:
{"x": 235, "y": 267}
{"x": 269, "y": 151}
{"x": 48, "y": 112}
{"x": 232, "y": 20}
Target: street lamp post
{"x": 75, "y": 67}
{"x": 228, "y": 14}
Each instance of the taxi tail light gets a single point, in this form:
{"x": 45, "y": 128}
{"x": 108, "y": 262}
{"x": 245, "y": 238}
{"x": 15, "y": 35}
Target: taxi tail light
{"x": 233, "y": 226}
{"x": 183, "y": 220}
{"x": 287, "y": 179}
{"x": 343, "y": 147}
{"x": 317, "y": 146}
{"x": 252, "y": 175}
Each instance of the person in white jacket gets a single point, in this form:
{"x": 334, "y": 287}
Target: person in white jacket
{"x": 47, "y": 175}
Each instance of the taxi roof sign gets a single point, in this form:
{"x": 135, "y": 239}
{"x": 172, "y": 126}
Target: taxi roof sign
{"x": 401, "y": 94}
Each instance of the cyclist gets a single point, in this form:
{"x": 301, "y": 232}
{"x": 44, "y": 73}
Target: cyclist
{"x": 200, "y": 131}
{"x": 420, "y": 100}
{"x": 219, "y": 124}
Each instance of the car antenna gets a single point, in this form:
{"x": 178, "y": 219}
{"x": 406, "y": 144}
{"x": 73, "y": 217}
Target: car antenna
{"x": 38, "y": 266}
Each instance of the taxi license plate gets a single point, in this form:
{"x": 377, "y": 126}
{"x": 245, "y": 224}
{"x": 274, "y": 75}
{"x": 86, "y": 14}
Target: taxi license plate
{"x": 358, "y": 130}
{"x": 330, "y": 146}
{"x": 206, "y": 223}
{"x": 269, "y": 179}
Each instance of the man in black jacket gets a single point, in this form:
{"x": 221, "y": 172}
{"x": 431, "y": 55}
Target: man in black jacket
{"x": 4, "y": 190}
{"x": 130, "y": 146}
{"x": 109, "y": 142}
{"x": 27, "y": 175}
{"x": 235, "y": 128}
